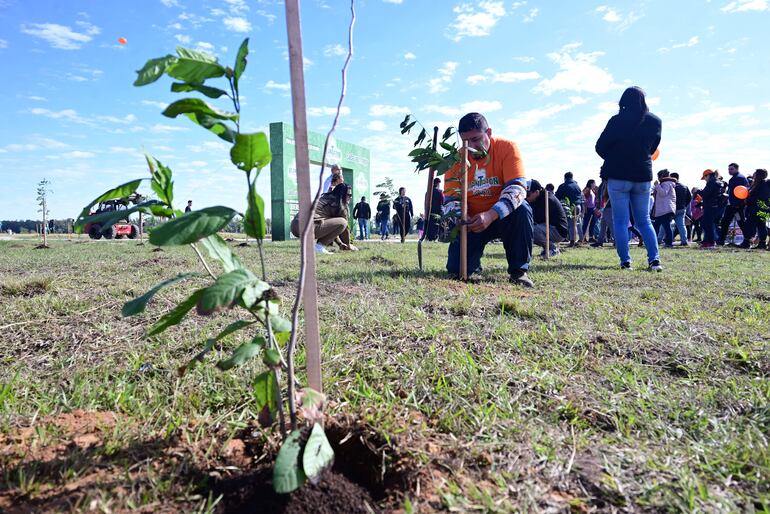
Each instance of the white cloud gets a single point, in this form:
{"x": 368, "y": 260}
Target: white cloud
{"x": 445, "y": 74}
{"x": 237, "y": 24}
{"x": 620, "y": 22}
{"x": 712, "y": 116}
{"x": 153, "y": 103}
{"x": 129, "y": 118}
{"x": 170, "y": 3}
{"x": 687, "y": 44}
{"x": 65, "y": 114}
{"x": 77, "y": 154}
{"x": 577, "y": 72}
{"x": 377, "y": 125}
{"x": 204, "y": 47}
{"x": 271, "y": 85}
{"x": 61, "y": 36}
{"x": 3, "y": 43}
{"x": 269, "y": 17}
{"x": 182, "y": 38}
{"x": 532, "y": 117}
{"x": 160, "y": 128}
{"x": 409, "y": 56}
{"x": 508, "y": 77}
{"x": 746, "y": 5}
{"x": 378, "y": 110}
{"x": 334, "y": 50}
{"x": 531, "y": 15}
{"x": 327, "y": 111}
{"x": 475, "y": 21}
{"x": 37, "y": 98}
{"x": 123, "y": 149}
{"x": 237, "y": 6}
{"x": 397, "y": 2}
{"x": 482, "y": 106}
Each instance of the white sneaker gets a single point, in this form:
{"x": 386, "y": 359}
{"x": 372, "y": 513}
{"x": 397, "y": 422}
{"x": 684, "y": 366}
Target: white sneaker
{"x": 319, "y": 248}
{"x": 655, "y": 266}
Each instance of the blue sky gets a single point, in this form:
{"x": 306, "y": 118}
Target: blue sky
{"x": 547, "y": 75}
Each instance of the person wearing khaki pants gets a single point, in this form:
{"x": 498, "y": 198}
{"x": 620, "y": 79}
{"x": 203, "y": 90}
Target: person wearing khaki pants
{"x": 330, "y": 220}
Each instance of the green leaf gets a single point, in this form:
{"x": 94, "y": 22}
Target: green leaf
{"x": 162, "y": 211}
{"x": 447, "y": 133}
{"x": 153, "y": 69}
{"x": 194, "y": 67}
{"x": 420, "y": 138}
{"x": 214, "y": 125}
{"x": 243, "y": 353}
{"x": 318, "y": 454}
{"x": 175, "y": 315}
{"x": 225, "y": 291}
{"x": 251, "y": 151}
{"x": 109, "y": 218}
{"x": 240, "y": 61}
{"x": 448, "y": 147}
{"x": 218, "y": 249}
{"x": 198, "y": 107}
{"x": 406, "y": 129}
{"x": 254, "y": 223}
{"x": 210, "y": 342}
{"x": 279, "y": 323}
{"x": 121, "y": 191}
{"x": 288, "y": 475}
{"x": 271, "y": 357}
{"x": 192, "y": 227}
{"x": 406, "y": 121}
{"x": 138, "y": 305}
{"x": 265, "y": 388}
{"x": 253, "y": 292}
{"x": 184, "y": 87}
{"x": 161, "y": 182}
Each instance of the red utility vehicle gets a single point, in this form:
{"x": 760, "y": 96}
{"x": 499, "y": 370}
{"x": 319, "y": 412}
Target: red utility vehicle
{"x": 119, "y": 230}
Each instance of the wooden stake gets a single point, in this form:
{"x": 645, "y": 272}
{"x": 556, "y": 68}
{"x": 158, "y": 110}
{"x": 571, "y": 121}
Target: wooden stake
{"x": 428, "y": 203}
{"x": 310, "y": 296}
{"x": 464, "y": 212}
{"x": 547, "y": 227}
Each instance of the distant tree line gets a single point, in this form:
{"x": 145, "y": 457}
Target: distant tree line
{"x": 31, "y": 226}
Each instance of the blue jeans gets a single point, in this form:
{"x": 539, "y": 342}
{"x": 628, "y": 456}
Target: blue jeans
{"x": 664, "y": 222}
{"x": 363, "y": 228}
{"x": 516, "y": 231}
{"x": 679, "y": 219}
{"x": 711, "y": 216}
{"x": 384, "y": 227}
{"x": 625, "y": 197}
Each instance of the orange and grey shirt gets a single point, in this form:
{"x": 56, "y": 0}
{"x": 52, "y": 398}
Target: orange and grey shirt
{"x": 494, "y": 182}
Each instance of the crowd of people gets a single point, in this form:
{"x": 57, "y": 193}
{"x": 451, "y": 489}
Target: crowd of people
{"x": 503, "y": 204}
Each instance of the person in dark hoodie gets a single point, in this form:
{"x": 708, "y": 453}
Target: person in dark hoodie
{"x": 570, "y": 190}
{"x": 755, "y": 224}
{"x": 665, "y": 206}
{"x": 626, "y": 145}
{"x": 712, "y": 208}
{"x": 557, "y": 218}
{"x": 683, "y": 199}
{"x": 735, "y": 206}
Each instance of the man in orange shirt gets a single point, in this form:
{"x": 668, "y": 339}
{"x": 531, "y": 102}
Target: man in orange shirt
{"x": 497, "y": 206}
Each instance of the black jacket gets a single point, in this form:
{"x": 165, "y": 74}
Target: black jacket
{"x": 736, "y": 180}
{"x": 362, "y": 211}
{"x": 384, "y": 209}
{"x": 626, "y": 145}
{"x": 570, "y": 189}
{"x": 760, "y": 193}
{"x": 556, "y": 215}
{"x": 712, "y": 193}
{"x": 683, "y": 196}
{"x": 403, "y": 205}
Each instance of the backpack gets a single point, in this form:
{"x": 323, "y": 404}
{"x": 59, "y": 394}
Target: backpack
{"x": 723, "y": 197}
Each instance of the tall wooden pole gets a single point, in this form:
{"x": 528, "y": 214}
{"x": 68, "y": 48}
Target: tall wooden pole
{"x": 310, "y": 294}
{"x": 464, "y": 212}
{"x": 547, "y": 227}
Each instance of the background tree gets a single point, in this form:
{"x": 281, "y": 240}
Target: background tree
{"x": 42, "y": 202}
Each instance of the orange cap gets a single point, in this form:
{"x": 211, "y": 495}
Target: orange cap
{"x": 706, "y": 173}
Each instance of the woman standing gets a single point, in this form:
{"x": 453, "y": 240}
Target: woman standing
{"x": 626, "y": 145}
{"x": 711, "y": 198}
{"x": 589, "y": 218}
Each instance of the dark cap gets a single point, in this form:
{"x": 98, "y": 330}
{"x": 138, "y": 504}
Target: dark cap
{"x": 534, "y": 185}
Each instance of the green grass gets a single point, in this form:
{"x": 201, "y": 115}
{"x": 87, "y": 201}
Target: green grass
{"x": 600, "y": 388}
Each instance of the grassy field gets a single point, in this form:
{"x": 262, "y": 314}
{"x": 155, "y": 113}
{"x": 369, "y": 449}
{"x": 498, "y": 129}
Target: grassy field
{"x": 599, "y": 390}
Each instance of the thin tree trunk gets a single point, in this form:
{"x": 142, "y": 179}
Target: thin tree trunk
{"x": 547, "y": 227}
{"x": 464, "y": 212}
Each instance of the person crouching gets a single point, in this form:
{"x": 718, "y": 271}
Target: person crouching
{"x": 330, "y": 220}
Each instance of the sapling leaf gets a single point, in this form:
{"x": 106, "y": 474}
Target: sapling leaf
{"x": 184, "y": 87}
{"x": 264, "y": 391}
{"x": 254, "y": 223}
{"x": 420, "y": 138}
{"x": 240, "y": 61}
{"x": 109, "y": 218}
{"x": 210, "y": 342}
{"x": 198, "y": 107}
{"x": 251, "y": 151}
{"x": 153, "y": 69}
{"x": 138, "y": 305}
{"x": 447, "y": 133}
{"x": 214, "y": 125}
{"x": 161, "y": 182}
{"x": 194, "y": 67}
{"x": 405, "y": 122}
{"x": 271, "y": 357}
{"x": 318, "y": 454}
{"x": 243, "y": 353}
{"x": 279, "y": 323}
{"x": 226, "y": 291}
{"x": 406, "y": 129}
{"x": 218, "y": 249}
{"x": 175, "y": 315}
{"x": 121, "y": 191}
{"x": 192, "y": 227}
{"x": 288, "y": 474}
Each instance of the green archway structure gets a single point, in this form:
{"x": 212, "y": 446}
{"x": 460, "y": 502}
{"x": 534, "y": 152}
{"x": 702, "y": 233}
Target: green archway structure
{"x": 353, "y": 159}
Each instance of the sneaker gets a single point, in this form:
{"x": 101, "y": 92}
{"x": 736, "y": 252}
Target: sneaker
{"x": 655, "y": 266}
{"x": 625, "y": 265}
{"x": 708, "y": 245}
{"x": 596, "y": 245}
{"x": 684, "y": 244}
{"x": 520, "y": 277}
{"x": 319, "y": 248}
{"x": 555, "y": 252}
{"x": 760, "y": 246}
{"x": 746, "y": 245}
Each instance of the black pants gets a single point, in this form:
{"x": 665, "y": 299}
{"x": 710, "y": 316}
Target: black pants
{"x": 730, "y": 212}
{"x": 665, "y": 222}
{"x": 516, "y": 231}
{"x": 433, "y": 224}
